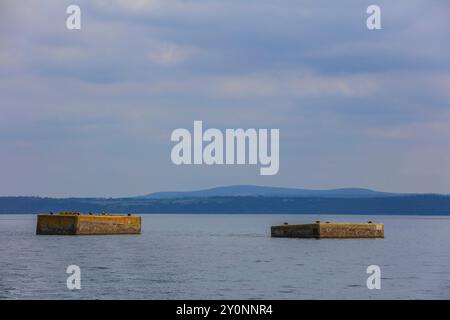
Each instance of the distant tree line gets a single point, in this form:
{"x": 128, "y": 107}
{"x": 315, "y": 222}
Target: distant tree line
{"x": 398, "y": 205}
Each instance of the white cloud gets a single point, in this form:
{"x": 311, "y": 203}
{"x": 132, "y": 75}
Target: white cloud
{"x": 134, "y": 6}
{"x": 154, "y": 7}
{"x": 292, "y": 84}
{"x": 170, "y": 54}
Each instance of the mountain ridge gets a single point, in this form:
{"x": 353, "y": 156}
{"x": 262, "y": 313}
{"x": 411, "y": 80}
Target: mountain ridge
{"x": 426, "y": 205}
{"x": 254, "y": 190}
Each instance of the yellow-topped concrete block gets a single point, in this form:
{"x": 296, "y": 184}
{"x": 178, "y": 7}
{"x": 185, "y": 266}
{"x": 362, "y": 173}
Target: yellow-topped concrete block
{"x": 321, "y": 230}
{"x": 68, "y": 223}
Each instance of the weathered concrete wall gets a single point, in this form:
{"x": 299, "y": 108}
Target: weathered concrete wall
{"x": 77, "y": 224}
{"x": 329, "y": 230}
{"x": 351, "y": 230}
{"x": 109, "y": 224}
{"x": 295, "y": 231}
{"x": 56, "y": 224}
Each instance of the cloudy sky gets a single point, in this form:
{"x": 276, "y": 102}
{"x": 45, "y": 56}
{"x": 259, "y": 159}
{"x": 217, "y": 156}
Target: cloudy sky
{"x": 90, "y": 112}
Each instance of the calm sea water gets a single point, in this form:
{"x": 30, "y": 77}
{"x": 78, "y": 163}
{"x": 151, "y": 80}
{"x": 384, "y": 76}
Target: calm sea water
{"x": 226, "y": 257}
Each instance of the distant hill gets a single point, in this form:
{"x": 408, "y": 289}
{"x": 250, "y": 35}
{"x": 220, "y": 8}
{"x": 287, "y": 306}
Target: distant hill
{"x": 250, "y": 190}
{"x": 390, "y": 205}
{"x": 244, "y": 199}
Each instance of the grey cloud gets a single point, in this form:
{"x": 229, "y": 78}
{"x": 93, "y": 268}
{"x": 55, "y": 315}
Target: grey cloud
{"x": 355, "y": 108}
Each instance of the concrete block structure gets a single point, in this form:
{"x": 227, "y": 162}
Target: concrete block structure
{"x": 322, "y": 230}
{"x": 69, "y": 223}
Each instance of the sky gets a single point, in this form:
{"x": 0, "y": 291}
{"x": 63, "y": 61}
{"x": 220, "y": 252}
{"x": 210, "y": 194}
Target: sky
{"x": 90, "y": 112}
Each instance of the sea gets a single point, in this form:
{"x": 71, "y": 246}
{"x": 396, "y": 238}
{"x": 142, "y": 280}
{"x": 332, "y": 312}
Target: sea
{"x": 227, "y": 256}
